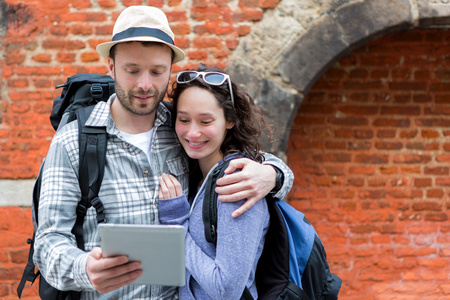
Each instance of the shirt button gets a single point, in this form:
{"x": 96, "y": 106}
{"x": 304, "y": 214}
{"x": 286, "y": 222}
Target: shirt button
{"x": 145, "y": 172}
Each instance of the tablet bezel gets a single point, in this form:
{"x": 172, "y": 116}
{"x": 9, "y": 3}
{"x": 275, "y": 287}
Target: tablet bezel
{"x": 159, "y": 248}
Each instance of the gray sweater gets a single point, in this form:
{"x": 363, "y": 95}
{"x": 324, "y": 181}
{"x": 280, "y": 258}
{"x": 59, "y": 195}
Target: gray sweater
{"x": 220, "y": 272}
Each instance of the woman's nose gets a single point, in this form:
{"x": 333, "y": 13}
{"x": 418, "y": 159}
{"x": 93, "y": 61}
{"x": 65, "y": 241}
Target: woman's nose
{"x": 194, "y": 131}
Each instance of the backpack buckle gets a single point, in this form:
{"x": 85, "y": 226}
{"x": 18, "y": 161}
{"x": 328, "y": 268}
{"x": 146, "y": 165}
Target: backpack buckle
{"x": 96, "y": 91}
{"x": 97, "y": 203}
{"x": 81, "y": 210}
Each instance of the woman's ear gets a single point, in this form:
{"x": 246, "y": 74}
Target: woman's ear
{"x": 230, "y": 125}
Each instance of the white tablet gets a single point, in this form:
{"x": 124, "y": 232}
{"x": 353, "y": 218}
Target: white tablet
{"x": 159, "y": 248}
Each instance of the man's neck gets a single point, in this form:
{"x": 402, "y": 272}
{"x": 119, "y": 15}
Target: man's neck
{"x": 129, "y": 122}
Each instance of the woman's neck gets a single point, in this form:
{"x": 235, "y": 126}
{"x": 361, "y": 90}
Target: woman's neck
{"x": 206, "y": 164}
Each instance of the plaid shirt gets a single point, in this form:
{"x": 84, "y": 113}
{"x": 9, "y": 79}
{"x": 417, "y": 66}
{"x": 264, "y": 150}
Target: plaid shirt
{"x": 129, "y": 193}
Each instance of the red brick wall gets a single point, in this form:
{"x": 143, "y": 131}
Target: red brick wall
{"x": 49, "y": 40}
{"x": 370, "y": 149}
{"x": 15, "y": 228}
{"x": 369, "y": 146}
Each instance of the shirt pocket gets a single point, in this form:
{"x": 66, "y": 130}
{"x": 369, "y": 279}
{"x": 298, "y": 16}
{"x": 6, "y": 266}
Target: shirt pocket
{"x": 176, "y": 166}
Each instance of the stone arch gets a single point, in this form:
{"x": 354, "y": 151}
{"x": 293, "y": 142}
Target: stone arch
{"x": 298, "y": 41}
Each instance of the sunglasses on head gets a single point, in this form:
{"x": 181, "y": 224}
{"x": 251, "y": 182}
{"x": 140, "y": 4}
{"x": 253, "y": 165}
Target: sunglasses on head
{"x": 212, "y": 78}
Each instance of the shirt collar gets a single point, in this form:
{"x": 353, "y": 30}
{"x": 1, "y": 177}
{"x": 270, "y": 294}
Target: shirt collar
{"x": 101, "y": 116}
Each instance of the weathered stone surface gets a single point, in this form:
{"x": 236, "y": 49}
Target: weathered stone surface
{"x": 295, "y": 43}
{"x": 16, "y": 192}
{"x": 312, "y": 54}
{"x": 279, "y": 105}
{"x": 363, "y": 21}
{"x": 3, "y": 19}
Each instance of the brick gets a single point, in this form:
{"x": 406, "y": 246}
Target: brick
{"x": 344, "y": 133}
{"x": 442, "y": 181}
{"x": 204, "y": 42}
{"x": 443, "y": 158}
{"x": 107, "y": 3}
{"x": 386, "y": 133}
{"x": 423, "y": 146}
{"x": 348, "y": 121}
{"x": 90, "y": 56}
{"x": 423, "y": 182}
{"x": 376, "y": 182}
{"x": 80, "y": 4}
{"x": 412, "y": 159}
{"x": 364, "y": 134}
{"x": 389, "y": 170}
{"x": 371, "y": 159}
{"x": 337, "y": 157}
{"x": 432, "y": 122}
{"x": 360, "y": 110}
{"x": 401, "y": 110}
{"x": 364, "y": 145}
{"x": 248, "y": 15}
{"x": 43, "y": 58}
{"x": 427, "y": 205}
{"x": 421, "y": 98}
{"x": 437, "y": 110}
{"x": 384, "y": 122}
{"x": 173, "y": 3}
{"x": 372, "y": 194}
{"x": 14, "y": 58}
{"x": 389, "y": 145}
{"x": 409, "y": 133}
{"x": 430, "y": 134}
{"x": 436, "y": 217}
{"x": 318, "y": 109}
{"x": 437, "y": 171}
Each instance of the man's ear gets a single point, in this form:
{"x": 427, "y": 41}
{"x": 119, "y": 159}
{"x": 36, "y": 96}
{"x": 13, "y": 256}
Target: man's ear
{"x": 111, "y": 66}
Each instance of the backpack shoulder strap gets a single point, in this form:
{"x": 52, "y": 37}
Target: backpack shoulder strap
{"x": 209, "y": 211}
{"x": 92, "y": 142}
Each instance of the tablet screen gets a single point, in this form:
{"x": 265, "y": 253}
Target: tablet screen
{"x": 159, "y": 248}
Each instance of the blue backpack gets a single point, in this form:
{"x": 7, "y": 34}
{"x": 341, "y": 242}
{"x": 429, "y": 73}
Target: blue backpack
{"x": 293, "y": 264}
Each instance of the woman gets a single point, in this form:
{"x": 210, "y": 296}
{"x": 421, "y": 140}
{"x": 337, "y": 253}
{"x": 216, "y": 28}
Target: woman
{"x": 215, "y": 121}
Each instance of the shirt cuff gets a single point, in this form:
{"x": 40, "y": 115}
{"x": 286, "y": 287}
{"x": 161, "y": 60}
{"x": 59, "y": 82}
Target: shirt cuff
{"x": 80, "y": 273}
{"x": 174, "y": 210}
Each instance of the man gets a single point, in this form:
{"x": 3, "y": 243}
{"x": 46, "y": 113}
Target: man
{"x": 141, "y": 146}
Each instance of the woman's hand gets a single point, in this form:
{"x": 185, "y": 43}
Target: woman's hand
{"x": 169, "y": 187}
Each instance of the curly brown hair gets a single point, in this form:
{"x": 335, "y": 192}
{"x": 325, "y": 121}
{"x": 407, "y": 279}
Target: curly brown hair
{"x": 249, "y": 123}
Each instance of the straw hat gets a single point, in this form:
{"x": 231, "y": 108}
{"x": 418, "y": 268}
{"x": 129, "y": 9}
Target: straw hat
{"x": 142, "y": 23}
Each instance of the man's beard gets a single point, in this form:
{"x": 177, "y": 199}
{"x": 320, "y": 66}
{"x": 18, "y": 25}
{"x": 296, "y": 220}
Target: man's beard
{"x": 125, "y": 99}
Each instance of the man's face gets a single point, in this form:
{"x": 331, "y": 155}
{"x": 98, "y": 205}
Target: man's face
{"x": 141, "y": 74}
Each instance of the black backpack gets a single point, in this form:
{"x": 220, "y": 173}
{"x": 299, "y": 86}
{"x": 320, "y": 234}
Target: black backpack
{"x": 79, "y": 95}
{"x": 293, "y": 264}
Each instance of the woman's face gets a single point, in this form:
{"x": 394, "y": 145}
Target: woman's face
{"x": 201, "y": 126}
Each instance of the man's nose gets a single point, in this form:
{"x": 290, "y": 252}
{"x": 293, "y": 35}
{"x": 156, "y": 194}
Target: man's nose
{"x": 145, "y": 82}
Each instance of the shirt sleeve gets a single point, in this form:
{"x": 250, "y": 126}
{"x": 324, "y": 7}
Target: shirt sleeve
{"x": 238, "y": 245}
{"x": 271, "y": 159}
{"x": 238, "y": 240}
{"x": 57, "y": 256}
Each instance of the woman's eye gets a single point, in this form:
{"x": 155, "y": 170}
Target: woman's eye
{"x": 183, "y": 120}
{"x": 207, "y": 122}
